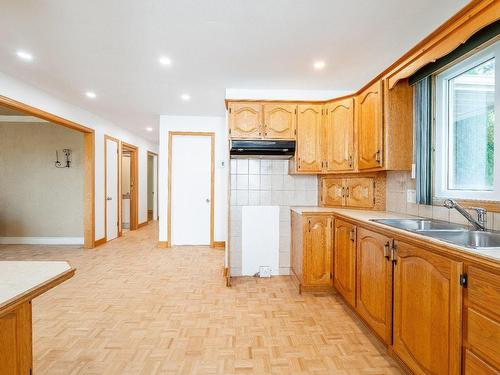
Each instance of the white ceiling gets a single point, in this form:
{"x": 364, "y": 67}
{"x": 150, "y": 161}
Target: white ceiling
{"x": 112, "y": 47}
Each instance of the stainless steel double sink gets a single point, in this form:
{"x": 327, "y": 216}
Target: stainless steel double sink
{"x": 456, "y": 234}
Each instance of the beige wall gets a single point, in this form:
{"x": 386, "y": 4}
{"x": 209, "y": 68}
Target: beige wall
{"x": 150, "y": 182}
{"x": 36, "y": 198}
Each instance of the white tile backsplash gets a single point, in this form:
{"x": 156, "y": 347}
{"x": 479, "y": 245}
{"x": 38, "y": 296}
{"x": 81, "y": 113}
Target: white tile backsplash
{"x": 266, "y": 182}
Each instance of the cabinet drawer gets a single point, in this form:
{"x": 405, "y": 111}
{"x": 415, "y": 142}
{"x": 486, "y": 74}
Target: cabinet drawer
{"x": 483, "y": 290}
{"x": 473, "y": 365}
{"x": 483, "y": 336}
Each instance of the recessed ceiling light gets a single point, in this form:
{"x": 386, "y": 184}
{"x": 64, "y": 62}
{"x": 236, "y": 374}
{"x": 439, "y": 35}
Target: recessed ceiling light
{"x": 90, "y": 94}
{"x": 164, "y": 60}
{"x": 186, "y": 97}
{"x": 26, "y": 56}
{"x": 318, "y": 65}
{"x": 149, "y": 129}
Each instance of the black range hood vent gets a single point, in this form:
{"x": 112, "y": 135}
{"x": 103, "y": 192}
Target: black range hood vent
{"x": 262, "y": 149}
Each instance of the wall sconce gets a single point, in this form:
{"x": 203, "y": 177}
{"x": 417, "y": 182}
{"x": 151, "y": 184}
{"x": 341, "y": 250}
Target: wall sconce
{"x": 67, "y": 156}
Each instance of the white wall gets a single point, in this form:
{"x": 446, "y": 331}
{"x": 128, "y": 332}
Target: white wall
{"x": 196, "y": 124}
{"x": 241, "y": 94}
{"x": 17, "y": 90}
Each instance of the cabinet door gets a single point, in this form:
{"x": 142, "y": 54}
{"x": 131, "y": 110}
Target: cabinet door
{"x": 427, "y": 311}
{"x": 308, "y": 149}
{"x": 374, "y": 282}
{"x": 344, "y": 260}
{"x": 280, "y": 121}
{"x": 340, "y": 136}
{"x": 245, "y": 120}
{"x": 370, "y": 127}
{"x": 332, "y": 191}
{"x": 359, "y": 192}
{"x": 318, "y": 250}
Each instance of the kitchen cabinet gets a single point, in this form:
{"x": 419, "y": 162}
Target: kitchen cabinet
{"x": 339, "y": 136}
{"x": 309, "y": 133}
{"x": 369, "y": 105}
{"x": 312, "y": 247}
{"x": 482, "y": 321}
{"x": 245, "y": 120}
{"x": 256, "y": 120}
{"x": 427, "y": 310}
{"x": 356, "y": 192}
{"x": 374, "y": 282}
{"x": 280, "y": 121}
{"x": 344, "y": 260}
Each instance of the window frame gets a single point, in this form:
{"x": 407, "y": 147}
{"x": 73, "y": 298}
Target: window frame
{"x": 442, "y": 131}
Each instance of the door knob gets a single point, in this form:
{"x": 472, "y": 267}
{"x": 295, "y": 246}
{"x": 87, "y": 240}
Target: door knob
{"x": 207, "y": 200}
{"x": 109, "y": 198}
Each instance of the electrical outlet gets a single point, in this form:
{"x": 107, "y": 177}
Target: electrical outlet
{"x": 265, "y": 271}
{"x": 411, "y": 196}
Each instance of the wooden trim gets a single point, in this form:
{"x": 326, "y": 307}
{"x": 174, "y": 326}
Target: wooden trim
{"x": 491, "y": 206}
{"x": 134, "y": 179}
{"x": 163, "y": 244}
{"x": 171, "y": 134}
{"x": 118, "y": 187}
{"x": 219, "y": 244}
{"x": 35, "y": 291}
{"x": 100, "y": 241}
{"x": 140, "y": 225}
{"x": 88, "y": 162}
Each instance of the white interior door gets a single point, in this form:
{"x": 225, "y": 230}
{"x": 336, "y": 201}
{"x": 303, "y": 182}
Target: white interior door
{"x": 155, "y": 187}
{"x": 191, "y": 190}
{"x": 111, "y": 189}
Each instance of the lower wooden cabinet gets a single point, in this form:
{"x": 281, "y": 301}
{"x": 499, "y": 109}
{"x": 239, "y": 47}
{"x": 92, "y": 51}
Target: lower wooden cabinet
{"x": 344, "y": 260}
{"x": 482, "y": 322}
{"x": 15, "y": 341}
{"x": 427, "y": 310}
{"x": 374, "y": 282}
{"x": 312, "y": 249}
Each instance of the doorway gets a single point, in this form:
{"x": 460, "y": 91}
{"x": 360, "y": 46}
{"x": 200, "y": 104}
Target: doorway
{"x": 129, "y": 186}
{"x": 190, "y": 188}
{"x": 152, "y": 186}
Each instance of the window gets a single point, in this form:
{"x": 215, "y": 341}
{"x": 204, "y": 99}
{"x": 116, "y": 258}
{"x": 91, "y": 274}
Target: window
{"x": 467, "y": 148}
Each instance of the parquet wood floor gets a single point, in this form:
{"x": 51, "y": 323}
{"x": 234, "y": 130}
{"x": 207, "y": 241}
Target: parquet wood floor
{"x": 135, "y": 309}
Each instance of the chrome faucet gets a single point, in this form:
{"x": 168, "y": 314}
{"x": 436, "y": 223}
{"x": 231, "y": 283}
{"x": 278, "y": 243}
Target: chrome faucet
{"x": 479, "y": 223}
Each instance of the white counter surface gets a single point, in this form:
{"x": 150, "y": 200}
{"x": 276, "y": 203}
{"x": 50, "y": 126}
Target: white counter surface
{"x": 20, "y": 277}
{"x": 367, "y": 216}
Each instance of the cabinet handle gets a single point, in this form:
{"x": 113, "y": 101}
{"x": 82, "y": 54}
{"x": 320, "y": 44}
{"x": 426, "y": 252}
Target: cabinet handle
{"x": 377, "y": 156}
{"x": 326, "y": 163}
{"x": 343, "y": 192}
{"x": 299, "y": 164}
{"x": 394, "y": 258}
{"x": 387, "y": 253}
{"x": 352, "y": 235}
{"x": 347, "y": 192}
{"x": 350, "y": 161}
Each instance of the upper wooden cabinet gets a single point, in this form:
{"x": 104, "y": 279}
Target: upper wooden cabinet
{"x": 309, "y": 134}
{"x": 339, "y": 136}
{"x": 245, "y": 120}
{"x": 356, "y": 192}
{"x": 262, "y": 120}
{"x": 427, "y": 311}
{"x": 344, "y": 261}
{"x": 280, "y": 121}
{"x": 374, "y": 282}
{"x": 370, "y": 127}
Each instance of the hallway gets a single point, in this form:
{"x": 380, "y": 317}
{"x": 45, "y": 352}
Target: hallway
{"x": 135, "y": 309}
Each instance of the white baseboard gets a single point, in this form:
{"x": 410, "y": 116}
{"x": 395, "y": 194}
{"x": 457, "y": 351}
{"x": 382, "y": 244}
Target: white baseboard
{"x": 41, "y": 240}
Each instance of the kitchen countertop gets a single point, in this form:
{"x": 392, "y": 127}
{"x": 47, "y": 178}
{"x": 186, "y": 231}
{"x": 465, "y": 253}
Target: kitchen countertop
{"x": 365, "y": 216}
{"x": 28, "y": 279}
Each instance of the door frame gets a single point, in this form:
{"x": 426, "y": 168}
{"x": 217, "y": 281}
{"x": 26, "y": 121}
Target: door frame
{"x": 119, "y": 188}
{"x": 154, "y": 154}
{"x": 134, "y": 191}
{"x": 172, "y": 134}
{"x": 88, "y": 162}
